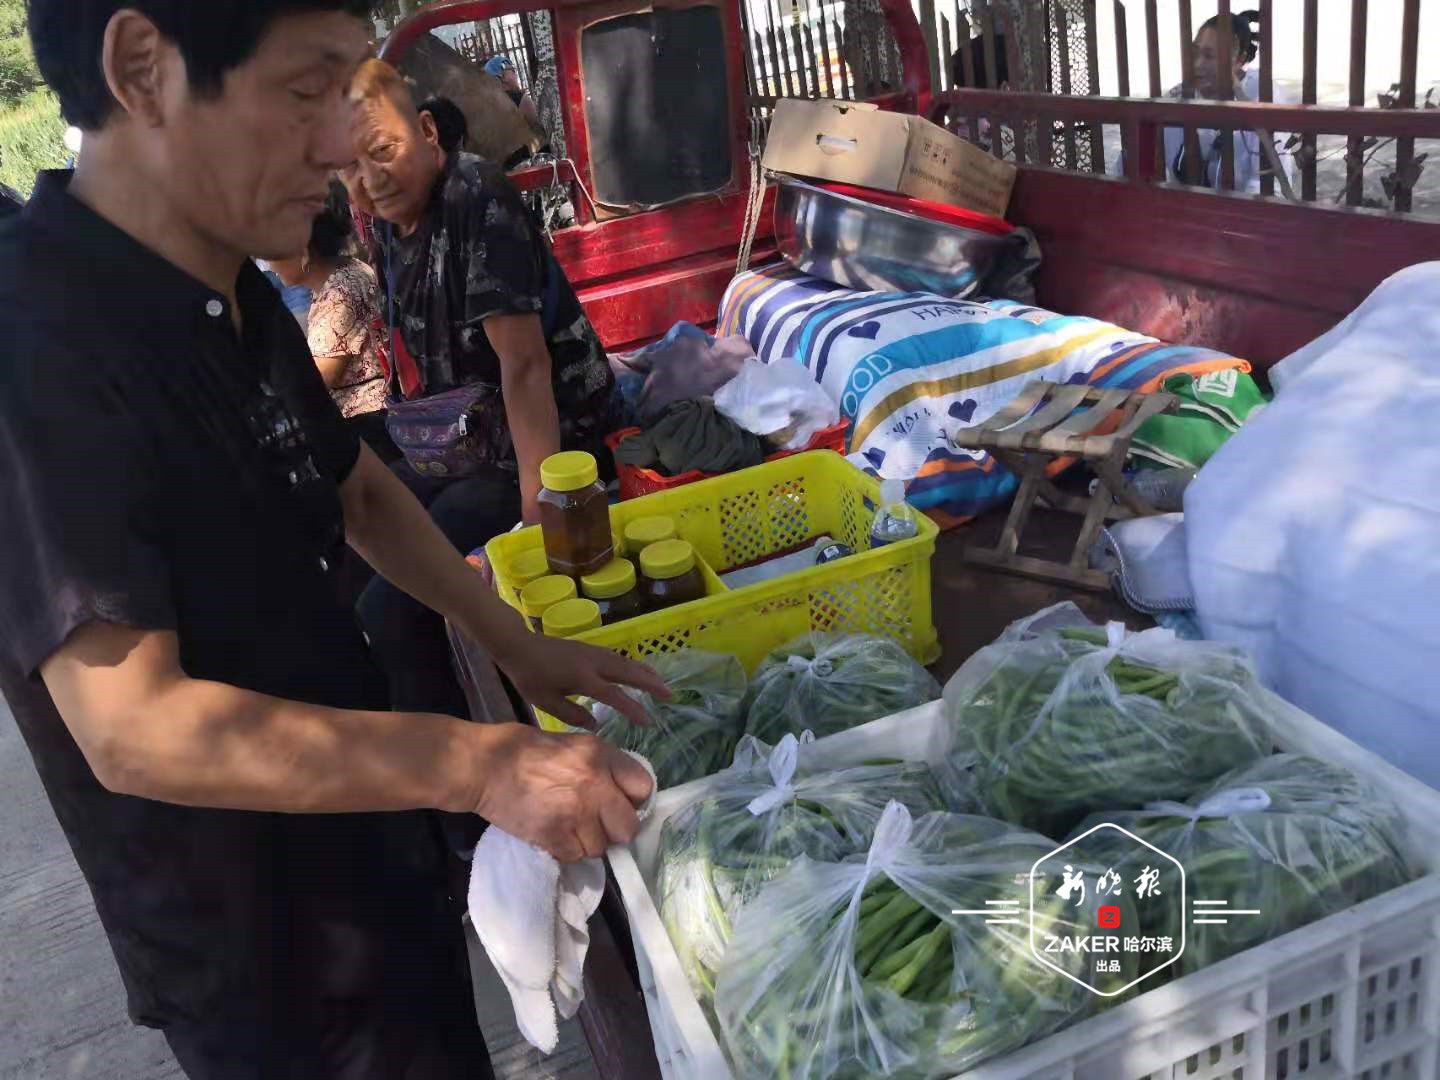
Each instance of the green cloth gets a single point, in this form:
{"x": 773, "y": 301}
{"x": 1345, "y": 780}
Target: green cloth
{"x": 692, "y": 435}
{"x": 1212, "y": 408}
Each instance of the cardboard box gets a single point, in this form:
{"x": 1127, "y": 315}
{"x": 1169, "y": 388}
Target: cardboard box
{"x": 856, "y": 143}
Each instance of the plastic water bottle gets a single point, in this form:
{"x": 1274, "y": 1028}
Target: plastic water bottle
{"x": 895, "y": 520}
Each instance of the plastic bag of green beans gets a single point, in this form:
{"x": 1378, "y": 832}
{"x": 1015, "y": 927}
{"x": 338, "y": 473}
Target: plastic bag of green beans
{"x": 1068, "y": 718}
{"x": 827, "y": 683}
{"x": 694, "y": 733}
{"x": 1288, "y": 840}
{"x": 717, "y": 852}
{"x": 860, "y": 968}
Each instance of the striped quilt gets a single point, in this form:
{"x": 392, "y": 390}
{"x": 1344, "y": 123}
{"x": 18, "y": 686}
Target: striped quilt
{"x": 908, "y": 368}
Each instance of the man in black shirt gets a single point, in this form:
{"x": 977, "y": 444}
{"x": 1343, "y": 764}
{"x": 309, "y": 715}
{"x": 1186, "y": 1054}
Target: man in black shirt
{"x": 255, "y": 827}
{"x": 476, "y": 299}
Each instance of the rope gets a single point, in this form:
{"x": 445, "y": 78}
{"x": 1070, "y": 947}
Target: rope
{"x": 755, "y": 202}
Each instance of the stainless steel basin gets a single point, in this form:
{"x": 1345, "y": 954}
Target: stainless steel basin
{"x": 865, "y": 246}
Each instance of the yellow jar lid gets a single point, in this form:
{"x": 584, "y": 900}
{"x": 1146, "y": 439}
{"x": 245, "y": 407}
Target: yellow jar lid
{"x": 667, "y": 559}
{"x": 615, "y": 578}
{"x": 544, "y": 593}
{"x": 528, "y": 566}
{"x": 644, "y": 531}
{"x": 569, "y": 470}
{"x": 571, "y": 617}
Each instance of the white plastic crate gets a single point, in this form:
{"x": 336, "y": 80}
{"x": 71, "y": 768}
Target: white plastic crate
{"x": 1355, "y": 996}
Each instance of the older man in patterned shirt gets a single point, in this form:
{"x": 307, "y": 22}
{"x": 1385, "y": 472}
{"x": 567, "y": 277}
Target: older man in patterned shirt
{"x": 473, "y": 298}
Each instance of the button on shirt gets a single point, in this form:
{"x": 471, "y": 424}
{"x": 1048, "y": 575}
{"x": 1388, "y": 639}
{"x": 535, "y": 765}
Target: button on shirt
{"x": 168, "y": 473}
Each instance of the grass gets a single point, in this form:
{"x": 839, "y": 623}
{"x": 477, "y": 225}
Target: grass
{"x": 31, "y": 134}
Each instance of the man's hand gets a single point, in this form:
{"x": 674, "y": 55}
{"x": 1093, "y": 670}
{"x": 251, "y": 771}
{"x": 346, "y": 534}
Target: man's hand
{"x": 570, "y": 795}
{"x": 547, "y": 671}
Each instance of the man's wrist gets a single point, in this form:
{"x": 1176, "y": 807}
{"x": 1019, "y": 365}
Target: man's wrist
{"x": 475, "y": 751}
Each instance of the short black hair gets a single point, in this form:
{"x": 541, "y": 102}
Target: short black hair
{"x": 333, "y": 227}
{"x": 1244, "y": 28}
{"x": 214, "y": 37}
{"x": 977, "y": 62}
{"x": 450, "y": 123}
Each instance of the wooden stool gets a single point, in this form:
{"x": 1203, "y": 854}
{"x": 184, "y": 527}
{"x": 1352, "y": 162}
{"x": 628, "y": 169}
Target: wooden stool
{"x": 1041, "y": 427}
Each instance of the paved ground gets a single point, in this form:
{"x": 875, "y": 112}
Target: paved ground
{"x": 62, "y": 1014}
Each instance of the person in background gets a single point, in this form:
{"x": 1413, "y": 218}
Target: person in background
{"x": 256, "y": 825}
{"x": 476, "y": 300}
{"x": 1211, "y": 74}
{"x": 500, "y": 66}
{"x": 979, "y": 66}
{"x": 296, "y": 298}
{"x": 342, "y": 325}
{"x": 451, "y": 127}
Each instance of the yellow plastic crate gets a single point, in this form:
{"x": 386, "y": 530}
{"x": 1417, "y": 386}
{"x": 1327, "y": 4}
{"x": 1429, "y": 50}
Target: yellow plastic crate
{"x": 751, "y": 515}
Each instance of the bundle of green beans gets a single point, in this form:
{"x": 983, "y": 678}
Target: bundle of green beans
{"x": 694, "y": 733}
{"x": 844, "y": 971}
{"x": 717, "y": 853}
{"x": 827, "y": 683}
{"x": 1062, "y": 726}
{"x": 1288, "y": 839}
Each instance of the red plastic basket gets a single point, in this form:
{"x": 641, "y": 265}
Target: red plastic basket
{"x": 635, "y": 481}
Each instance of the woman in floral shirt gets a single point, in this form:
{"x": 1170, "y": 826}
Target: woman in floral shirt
{"x": 343, "y": 317}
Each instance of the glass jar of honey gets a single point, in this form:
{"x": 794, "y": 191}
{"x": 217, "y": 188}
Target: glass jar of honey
{"x": 544, "y": 593}
{"x": 672, "y": 574}
{"x": 574, "y": 514}
{"x": 614, "y": 588}
{"x": 571, "y": 617}
{"x": 644, "y": 531}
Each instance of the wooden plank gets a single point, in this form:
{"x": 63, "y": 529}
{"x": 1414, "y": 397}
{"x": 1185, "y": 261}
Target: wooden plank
{"x": 1310, "y": 65}
{"x": 1267, "y": 78}
{"x": 1409, "y": 56}
{"x": 1062, "y": 34}
{"x": 812, "y": 57}
{"x": 1152, "y": 47}
{"x": 1122, "y": 49}
{"x": 992, "y": 72}
{"x": 1041, "y": 569}
{"x": 927, "y": 29}
{"x": 847, "y": 78}
{"x": 782, "y": 53}
{"x": 802, "y": 57}
{"x": 1225, "y": 27}
{"x": 613, "y": 1013}
{"x": 831, "y": 87}
{"x": 1194, "y": 163}
{"x": 1354, "y": 146}
{"x": 1092, "y": 61}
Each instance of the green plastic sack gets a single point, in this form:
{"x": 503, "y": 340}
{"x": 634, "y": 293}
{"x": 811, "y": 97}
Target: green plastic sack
{"x": 694, "y": 733}
{"x": 1289, "y": 838}
{"x": 828, "y": 683}
{"x": 1212, "y": 408}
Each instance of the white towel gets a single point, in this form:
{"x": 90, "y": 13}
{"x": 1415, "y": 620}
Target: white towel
{"x": 532, "y": 915}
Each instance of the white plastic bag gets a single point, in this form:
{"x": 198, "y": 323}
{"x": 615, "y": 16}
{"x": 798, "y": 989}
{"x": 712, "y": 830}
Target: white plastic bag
{"x": 819, "y": 982}
{"x": 779, "y": 402}
{"x": 717, "y": 852}
{"x": 1069, "y": 719}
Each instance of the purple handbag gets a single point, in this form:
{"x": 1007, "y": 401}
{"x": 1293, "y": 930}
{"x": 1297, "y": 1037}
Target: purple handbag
{"x": 453, "y": 433}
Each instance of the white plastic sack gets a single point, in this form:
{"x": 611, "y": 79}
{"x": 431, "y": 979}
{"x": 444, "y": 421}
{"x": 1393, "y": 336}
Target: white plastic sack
{"x": 861, "y": 968}
{"x": 1311, "y": 535}
{"x": 779, "y": 402}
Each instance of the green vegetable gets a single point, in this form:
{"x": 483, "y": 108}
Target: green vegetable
{"x": 1057, "y": 725}
{"x": 1288, "y": 837}
{"x": 695, "y": 732}
{"x": 716, "y": 853}
{"x": 827, "y": 683}
{"x": 831, "y": 976}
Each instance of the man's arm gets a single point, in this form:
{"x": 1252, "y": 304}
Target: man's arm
{"x": 150, "y": 731}
{"x": 526, "y": 381}
{"x": 391, "y": 530}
